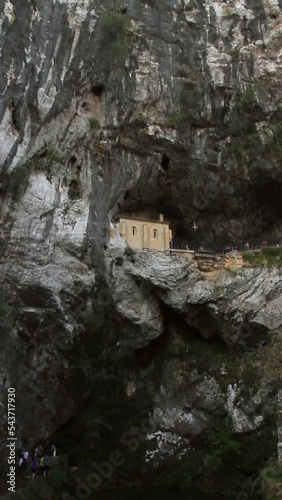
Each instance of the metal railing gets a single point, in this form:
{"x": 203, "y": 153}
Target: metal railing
{"x": 219, "y": 247}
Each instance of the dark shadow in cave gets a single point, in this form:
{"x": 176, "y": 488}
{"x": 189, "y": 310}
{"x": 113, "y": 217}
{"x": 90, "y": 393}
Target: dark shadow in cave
{"x": 165, "y": 163}
{"x": 98, "y": 90}
{"x": 159, "y": 348}
{"x": 268, "y": 199}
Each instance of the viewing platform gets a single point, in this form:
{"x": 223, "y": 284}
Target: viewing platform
{"x": 210, "y": 262}
{"x": 155, "y": 235}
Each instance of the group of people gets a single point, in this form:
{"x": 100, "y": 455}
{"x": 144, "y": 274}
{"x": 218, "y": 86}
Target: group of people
{"x": 38, "y": 464}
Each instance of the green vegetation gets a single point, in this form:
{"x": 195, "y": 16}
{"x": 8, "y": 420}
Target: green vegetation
{"x": 272, "y": 473}
{"x": 258, "y": 447}
{"x": 139, "y": 121}
{"x": 55, "y": 155}
{"x": 118, "y": 49}
{"x": 268, "y": 256}
{"x": 224, "y": 462}
{"x": 17, "y": 180}
{"x": 233, "y": 272}
{"x": 115, "y": 23}
{"x": 94, "y": 123}
{"x": 238, "y": 458}
{"x": 235, "y": 53}
{"x": 221, "y": 445}
{"x": 179, "y": 120}
{"x": 274, "y": 14}
{"x": 51, "y": 487}
{"x": 193, "y": 72}
{"x": 241, "y": 117}
{"x": 13, "y": 17}
{"x": 58, "y": 479}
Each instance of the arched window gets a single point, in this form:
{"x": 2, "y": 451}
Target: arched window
{"x": 155, "y": 233}
{"x": 134, "y": 231}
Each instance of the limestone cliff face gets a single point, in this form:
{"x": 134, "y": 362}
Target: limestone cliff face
{"x": 242, "y": 307}
{"x": 169, "y": 300}
{"x": 131, "y": 106}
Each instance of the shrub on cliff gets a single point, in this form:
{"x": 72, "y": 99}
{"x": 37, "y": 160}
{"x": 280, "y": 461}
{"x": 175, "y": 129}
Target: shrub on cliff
{"x": 268, "y": 256}
{"x": 114, "y": 23}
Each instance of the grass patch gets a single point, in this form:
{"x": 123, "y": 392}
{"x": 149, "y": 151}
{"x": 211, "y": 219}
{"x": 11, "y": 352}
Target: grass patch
{"x": 269, "y": 257}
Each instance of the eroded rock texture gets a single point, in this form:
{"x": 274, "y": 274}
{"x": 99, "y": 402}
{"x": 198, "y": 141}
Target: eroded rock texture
{"x": 169, "y": 106}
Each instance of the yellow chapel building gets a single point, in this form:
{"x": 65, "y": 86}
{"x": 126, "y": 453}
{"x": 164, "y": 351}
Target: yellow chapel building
{"x": 145, "y": 234}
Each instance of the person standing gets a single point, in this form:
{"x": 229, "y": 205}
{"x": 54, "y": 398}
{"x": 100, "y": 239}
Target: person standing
{"x": 53, "y": 450}
{"x": 20, "y": 464}
{"x": 41, "y": 466}
{"x": 39, "y": 451}
{"x": 46, "y": 466}
{"x": 34, "y": 467}
{"x": 28, "y": 466}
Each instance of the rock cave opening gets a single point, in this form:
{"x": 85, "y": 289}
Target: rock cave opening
{"x": 165, "y": 163}
{"x": 74, "y": 189}
{"x": 98, "y": 90}
{"x": 178, "y": 340}
{"x": 268, "y": 200}
{"x": 136, "y": 203}
{"x": 72, "y": 160}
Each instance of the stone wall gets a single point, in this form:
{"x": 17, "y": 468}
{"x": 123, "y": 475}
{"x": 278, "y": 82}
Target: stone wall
{"x": 141, "y": 233}
{"x": 209, "y": 262}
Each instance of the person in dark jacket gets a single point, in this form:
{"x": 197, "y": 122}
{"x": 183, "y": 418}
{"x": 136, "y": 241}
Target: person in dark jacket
{"x": 28, "y": 467}
{"x": 46, "y": 466}
{"x": 34, "y": 467}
